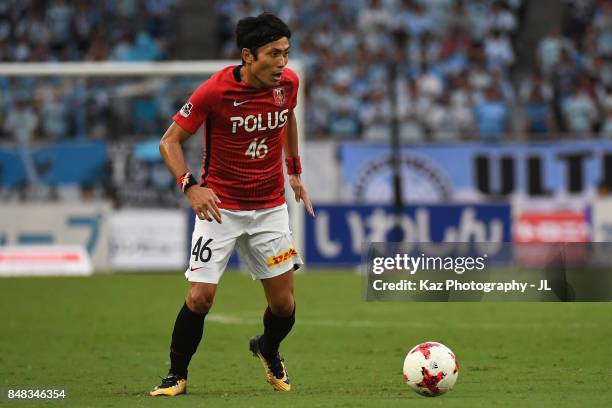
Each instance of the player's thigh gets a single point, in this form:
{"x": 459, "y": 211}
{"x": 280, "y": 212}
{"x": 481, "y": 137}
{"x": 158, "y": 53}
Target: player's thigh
{"x": 268, "y": 248}
{"x": 211, "y": 246}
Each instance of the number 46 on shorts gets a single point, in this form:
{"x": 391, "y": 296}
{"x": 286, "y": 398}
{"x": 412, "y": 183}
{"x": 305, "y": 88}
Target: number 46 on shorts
{"x": 202, "y": 253}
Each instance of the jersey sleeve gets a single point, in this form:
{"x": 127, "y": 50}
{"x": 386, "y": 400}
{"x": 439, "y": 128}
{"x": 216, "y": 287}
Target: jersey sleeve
{"x": 199, "y": 105}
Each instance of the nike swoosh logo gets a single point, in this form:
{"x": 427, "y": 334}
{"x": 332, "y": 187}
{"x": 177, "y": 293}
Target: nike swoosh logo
{"x": 195, "y": 269}
{"x": 236, "y": 103}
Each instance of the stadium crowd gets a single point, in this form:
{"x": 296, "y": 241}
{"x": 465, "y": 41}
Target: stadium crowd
{"x": 66, "y": 31}
{"x": 456, "y": 62}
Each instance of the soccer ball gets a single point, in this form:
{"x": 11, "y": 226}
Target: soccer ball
{"x": 431, "y": 369}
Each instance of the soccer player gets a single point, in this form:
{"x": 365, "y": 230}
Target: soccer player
{"x": 248, "y": 115}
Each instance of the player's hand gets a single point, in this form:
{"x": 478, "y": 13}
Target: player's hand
{"x": 300, "y": 192}
{"x": 204, "y": 202}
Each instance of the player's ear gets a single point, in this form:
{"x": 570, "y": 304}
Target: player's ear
{"x": 247, "y": 56}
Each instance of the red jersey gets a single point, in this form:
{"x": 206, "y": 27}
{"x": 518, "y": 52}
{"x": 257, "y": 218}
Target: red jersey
{"x": 243, "y": 137}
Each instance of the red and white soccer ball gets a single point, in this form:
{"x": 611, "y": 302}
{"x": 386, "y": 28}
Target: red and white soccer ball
{"x": 431, "y": 369}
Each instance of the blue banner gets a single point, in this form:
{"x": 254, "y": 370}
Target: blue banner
{"x": 65, "y": 163}
{"x": 475, "y": 172}
{"x": 336, "y": 235}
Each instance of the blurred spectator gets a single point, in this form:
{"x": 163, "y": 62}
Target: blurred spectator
{"x": 448, "y": 123}
{"x": 158, "y": 12}
{"x": 550, "y": 48}
{"x": 21, "y": 51}
{"x": 491, "y": 116}
{"x": 412, "y": 107}
{"x": 602, "y": 19}
{"x": 538, "y": 115}
{"x": 606, "y": 128}
{"x": 123, "y": 50}
{"x": 413, "y": 19}
{"x": 535, "y": 79}
{"x": 425, "y": 50}
{"x": 59, "y": 17}
{"x": 602, "y": 29}
{"x": 98, "y": 49}
{"x": 100, "y": 119}
{"x": 429, "y": 81}
{"x": 453, "y": 53}
{"x": 579, "y": 112}
{"x": 76, "y": 100}
{"x": 498, "y": 77}
{"x": 125, "y": 8}
{"x": 373, "y": 17}
{"x": 22, "y": 123}
{"x": 498, "y": 50}
{"x": 457, "y": 18}
{"x": 578, "y": 17}
{"x": 344, "y": 121}
{"x": 84, "y": 21}
{"x": 603, "y": 96}
{"x": 460, "y": 91}
{"x": 375, "y": 116}
{"x": 54, "y": 115}
{"x": 316, "y": 116}
{"x": 564, "y": 76}
{"x": 145, "y": 48}
{"x": 599, "y": 69}
{"x": 478, "y": 11}
{"x": 479, "y": 77}
{"x": 500, "y": 19}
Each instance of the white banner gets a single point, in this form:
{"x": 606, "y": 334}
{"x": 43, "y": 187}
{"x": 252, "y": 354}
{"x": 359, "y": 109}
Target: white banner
{"x": 52, "y": 224}
{"x": 44, "y": 260}
{"x": 321, "y": 171}
{"x": 602, "y": 220}
{"x": 144, "y": 240}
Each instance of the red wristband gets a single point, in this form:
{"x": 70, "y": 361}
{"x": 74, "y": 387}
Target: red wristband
{"x": 294, "y": 165}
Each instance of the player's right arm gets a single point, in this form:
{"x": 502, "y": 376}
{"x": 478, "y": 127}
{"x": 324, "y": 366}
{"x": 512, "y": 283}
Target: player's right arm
{"x": 203, "y": 200}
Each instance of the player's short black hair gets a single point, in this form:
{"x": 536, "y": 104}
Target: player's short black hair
{"x": 253, "y": 32}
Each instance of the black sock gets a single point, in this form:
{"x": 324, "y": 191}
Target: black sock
{"x": 188, "y": 330}
{"x": 276, "y": 329}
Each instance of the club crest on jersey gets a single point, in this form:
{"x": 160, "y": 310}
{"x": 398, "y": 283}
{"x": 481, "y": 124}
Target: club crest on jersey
{"x": 279, "y": 96}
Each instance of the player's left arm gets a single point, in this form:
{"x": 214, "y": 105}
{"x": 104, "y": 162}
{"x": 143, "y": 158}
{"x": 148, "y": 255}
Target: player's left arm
{"x": 294, "y": 168}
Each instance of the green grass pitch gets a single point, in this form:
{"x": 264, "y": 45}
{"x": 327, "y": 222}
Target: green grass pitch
{"x": 104, "y": 339}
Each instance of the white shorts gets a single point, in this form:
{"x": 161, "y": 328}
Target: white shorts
{"x": 262, "y": 238}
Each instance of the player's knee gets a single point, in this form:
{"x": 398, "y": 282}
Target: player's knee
{"x": 198, "y": 302}
{"x": 283, "y": 307}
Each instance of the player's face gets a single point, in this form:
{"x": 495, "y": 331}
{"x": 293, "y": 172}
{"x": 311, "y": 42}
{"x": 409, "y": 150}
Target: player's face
{"x": 271, "y": 60}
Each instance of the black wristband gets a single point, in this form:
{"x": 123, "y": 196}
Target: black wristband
{"x": 186, "y": 181}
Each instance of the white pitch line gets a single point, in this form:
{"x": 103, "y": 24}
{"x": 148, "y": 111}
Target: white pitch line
{"x": 235, "y": 320}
